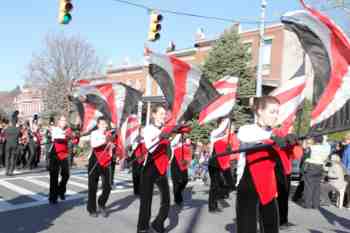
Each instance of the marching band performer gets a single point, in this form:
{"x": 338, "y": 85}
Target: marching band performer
{"x": 221, "y": 179}
{"x": 59, "y": 159}
{"x": 137, "y": 158}
{"x": 182, "y": 157}
{"x": 256, "y": 175}
{"x": 100, "y": 165}
{"x": 154, "y": 172}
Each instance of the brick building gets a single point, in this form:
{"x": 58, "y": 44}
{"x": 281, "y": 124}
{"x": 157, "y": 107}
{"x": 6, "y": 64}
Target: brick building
{"x": 29, "y": 102}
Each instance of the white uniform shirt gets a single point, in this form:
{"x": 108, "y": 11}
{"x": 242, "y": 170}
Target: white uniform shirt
{"x": 57, "y": 133}
{"x": 97, "y": 138}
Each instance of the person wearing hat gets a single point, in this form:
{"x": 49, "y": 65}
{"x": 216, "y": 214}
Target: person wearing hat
{"x": 12, "y": 135}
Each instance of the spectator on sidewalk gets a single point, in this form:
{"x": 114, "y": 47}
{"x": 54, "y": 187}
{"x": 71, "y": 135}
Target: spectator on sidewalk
{"x": 313, "y": 172}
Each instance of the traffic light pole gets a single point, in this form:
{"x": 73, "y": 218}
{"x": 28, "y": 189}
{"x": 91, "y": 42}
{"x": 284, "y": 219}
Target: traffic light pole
{"x": 261, "y": 50}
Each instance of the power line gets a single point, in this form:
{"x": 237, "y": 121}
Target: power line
{"x": 148, "y": 8}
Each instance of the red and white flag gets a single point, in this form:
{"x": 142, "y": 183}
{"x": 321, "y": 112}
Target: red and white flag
{"x": 222, "y": 106}
{"x": 329, "y": 50}
{"x": 185, "y": 90}
{"x": 290, "y": 95}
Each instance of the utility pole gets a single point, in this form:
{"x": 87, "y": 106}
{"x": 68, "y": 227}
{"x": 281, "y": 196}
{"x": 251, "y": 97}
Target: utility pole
{"x": 261, "y": 50}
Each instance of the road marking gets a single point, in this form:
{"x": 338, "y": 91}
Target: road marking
{"x": 46, "y": 185}
{"x": 84, "y": 186}
{"x": 45, "y": 202}
{"x": 21, "y": 190}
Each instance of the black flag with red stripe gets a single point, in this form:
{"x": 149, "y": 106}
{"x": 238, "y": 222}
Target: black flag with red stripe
{"x": 329, "y": 50}
{"x": 185, "y": 89}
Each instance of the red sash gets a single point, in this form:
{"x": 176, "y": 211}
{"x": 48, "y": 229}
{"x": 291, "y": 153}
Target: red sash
{"x": 182, "y": 154}
{"x": 61, "y": 148}
{"x": 103, "y": 155}
{"x": 140, "y": 152}
{"x": 160, "y": 157}
{"x": 221, "y": 146}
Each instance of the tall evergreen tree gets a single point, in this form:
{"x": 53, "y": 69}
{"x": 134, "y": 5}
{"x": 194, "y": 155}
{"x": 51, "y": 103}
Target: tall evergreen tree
{"x": 230, "y": 57}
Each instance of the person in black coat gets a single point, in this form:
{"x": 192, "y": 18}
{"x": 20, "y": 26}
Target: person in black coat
{"x": 12, "y": 135}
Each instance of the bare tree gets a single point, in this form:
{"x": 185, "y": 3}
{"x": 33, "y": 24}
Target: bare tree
{"x": 62, "y": 60}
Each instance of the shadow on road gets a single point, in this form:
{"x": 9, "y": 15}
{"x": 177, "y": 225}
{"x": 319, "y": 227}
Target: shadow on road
{"x": 333, "y": 218}
{"x": 42, "y": 219}
{"x": 122, "y": 203}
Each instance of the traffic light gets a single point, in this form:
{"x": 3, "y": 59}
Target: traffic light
{"x": 155, "y": 26}
{"x": 64, "y": 16}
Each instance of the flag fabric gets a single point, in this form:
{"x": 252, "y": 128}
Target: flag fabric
{"x": 129, "y": 133}
{"x": 113, "y": 100}
{"x": 222, "y": 106}
{"x": 290, "y": 95}
{"x": 186, "y": 91}
{"x": 329, "y": 50}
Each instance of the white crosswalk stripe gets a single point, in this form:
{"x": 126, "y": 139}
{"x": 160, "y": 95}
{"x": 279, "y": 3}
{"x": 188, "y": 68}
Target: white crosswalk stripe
{"x": 76, "y": 188}
{"x": 21, "y": 191}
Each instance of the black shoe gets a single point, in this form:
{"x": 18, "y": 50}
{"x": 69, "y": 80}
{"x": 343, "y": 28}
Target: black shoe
{"x": 103, "y": 211}
{"x": 286, "y": 225}
{"x": 62, "y": 197}
{"x": 52, "y": 202}
{"x": 215, "y": 210}
{"x": 157, "y": 228}
{"x": 93, "y": 214}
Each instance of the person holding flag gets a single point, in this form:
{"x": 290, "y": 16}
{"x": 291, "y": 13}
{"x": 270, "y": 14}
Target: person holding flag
{"x": 257, "y": 185}
{"x": 100, "y": 165}
{"x": 154, "y": 172}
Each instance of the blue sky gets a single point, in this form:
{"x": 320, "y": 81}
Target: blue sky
{"x": 115, "y": 30}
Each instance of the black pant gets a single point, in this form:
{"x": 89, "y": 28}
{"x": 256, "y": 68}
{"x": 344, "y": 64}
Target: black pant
{"x": 2, "y": 154}
{"x": 229, "y": 183}
{"x": 113, "y": 164}
{"x": 299, "y": 191}
{"x": 246, "y": 209}
{"x": 31, "y": 150}
{"x": 221, "y": 184}
{"x": 48, "y": 149}
{"x": 136, "y": 174}
{"x": 180, "y": 180}
{"x": 149, "y": 177}
{"x": 11, "y": 158}
{"x": 283, "y": 187}
{"x": 21, "y": 160}
{"x": 312, "y": 185}
{"x": 95, "y": 171}
{"x": 57, "y": 166}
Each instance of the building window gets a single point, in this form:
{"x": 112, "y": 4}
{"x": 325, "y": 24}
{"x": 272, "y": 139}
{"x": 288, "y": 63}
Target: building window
{"x": 267, "y": 53}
